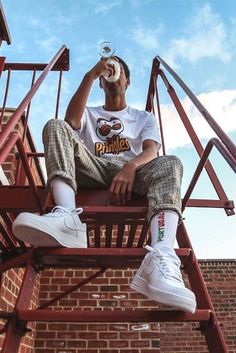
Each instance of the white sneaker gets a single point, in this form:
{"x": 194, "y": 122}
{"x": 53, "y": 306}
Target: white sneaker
{"x": 61, "y": 227}
{"x": 159, "y": 278}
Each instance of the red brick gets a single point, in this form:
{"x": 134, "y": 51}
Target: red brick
{"x": 97, "y": 344}
{"x": 67, "y": 335}
{"x": 108, "y": 335}
{"x": 129, "y": 335}
{"x": 120, "y": 343}
{"x": 76, "y": 343}
{"x": 46, "y": 334}
{"x": 118, "y": 327}
{"x": 56, "y": 343}
{"x": 57, "y": 326}
{"x": 140, "y": 343}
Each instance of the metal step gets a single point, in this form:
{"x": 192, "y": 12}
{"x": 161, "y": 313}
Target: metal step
{"x": 116, "y": 316}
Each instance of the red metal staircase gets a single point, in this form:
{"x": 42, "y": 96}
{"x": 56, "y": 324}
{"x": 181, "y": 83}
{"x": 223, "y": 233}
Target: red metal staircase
{"x": 128, "y": 223}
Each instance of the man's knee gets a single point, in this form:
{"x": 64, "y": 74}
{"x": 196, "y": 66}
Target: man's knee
{"x": 166, "y": 164}
{"x": 175, "y": 163}
{"x": 54, "y": 124}
{"x": 56, "y": 127}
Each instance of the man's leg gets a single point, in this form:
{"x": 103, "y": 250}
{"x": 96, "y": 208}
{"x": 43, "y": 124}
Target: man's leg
{"x": 64, "y": 152}
{"x": 69, "y": 160}
{"x": 159, "y": 275}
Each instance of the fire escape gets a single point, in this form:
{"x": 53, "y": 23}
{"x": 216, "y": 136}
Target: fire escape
{"x": 126, "y": 250}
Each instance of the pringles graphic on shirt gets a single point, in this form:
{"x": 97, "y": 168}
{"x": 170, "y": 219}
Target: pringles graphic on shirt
{"x": 108, "y": 131}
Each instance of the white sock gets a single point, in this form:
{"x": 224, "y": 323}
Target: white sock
{"x": 163, "y": 229}
{"x": 63, "y": 193}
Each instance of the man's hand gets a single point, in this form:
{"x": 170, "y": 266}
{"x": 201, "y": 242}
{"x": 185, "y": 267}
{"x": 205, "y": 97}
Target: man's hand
{"x": 75, "y": 109}
{"x": 101, "y": 66}
{"x": 121, "y": 187}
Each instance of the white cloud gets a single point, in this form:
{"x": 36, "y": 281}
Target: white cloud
{"x": 204, "y": 37}
{"x": 106, "y": 7}
{"x": 138, "y": 3}
{"x": 147, "y": 38}
{"x": 220, "y": 104}
{"x": 49, "y": 44}
{"x": 34, "y": 22}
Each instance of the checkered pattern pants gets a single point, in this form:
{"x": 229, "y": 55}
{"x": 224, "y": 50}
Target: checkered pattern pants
{"x": 66, "y": 156}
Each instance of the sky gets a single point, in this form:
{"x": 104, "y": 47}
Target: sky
{"x": 195, "y": 37}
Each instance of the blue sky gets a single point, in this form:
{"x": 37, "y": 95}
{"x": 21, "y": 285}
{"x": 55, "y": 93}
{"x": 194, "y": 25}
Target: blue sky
{"x": 197, "y": 38}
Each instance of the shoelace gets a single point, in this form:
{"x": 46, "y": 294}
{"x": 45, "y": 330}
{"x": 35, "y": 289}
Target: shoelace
{"x": 58, "y": 210}
{"x": 170, "y": 269}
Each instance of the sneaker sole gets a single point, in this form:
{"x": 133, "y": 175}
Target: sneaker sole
{"x": 162, "y": 297}
{"x": 47, "y": 236}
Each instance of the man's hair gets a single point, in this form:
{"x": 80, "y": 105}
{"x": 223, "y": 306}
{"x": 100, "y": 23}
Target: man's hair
{"x": 125, "y": 66}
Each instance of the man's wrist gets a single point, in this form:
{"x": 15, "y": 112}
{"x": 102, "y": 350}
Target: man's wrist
{"x": 91, "y": 75}
{"x": 133, "y": 163}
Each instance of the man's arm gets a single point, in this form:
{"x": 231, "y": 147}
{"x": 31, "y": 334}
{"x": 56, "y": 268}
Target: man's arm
{"x": 78, "y": 102}
{"x": 122, "y": 183}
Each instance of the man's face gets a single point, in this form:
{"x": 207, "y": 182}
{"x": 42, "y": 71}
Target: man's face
{"x": 118, "y": 86}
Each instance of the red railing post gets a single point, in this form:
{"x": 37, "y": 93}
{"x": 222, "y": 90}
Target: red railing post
{"x": 152, "y": 92}
{"x": 19, "y": 111}
{"x": 5, "y": 97}
{"x": 16, "y": 328}
{"x": 2, "y": 62}
{"x": 211, "y": 121}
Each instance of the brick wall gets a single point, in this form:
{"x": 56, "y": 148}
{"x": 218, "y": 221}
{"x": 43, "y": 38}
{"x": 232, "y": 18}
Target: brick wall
{"x": 109, "y": 292}
{"x": 112, "y": 292}
{"x": 220, "y": 280}
{"x": 11, "y": 280}
{"x": 10, "y": 284}
{"x": 11, "y": 162}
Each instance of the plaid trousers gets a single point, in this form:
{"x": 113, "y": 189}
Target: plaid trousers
{"x": 67, "y": 157}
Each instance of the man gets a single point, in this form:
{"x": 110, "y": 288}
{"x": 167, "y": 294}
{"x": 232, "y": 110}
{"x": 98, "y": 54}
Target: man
{"x": 114, "y": 146}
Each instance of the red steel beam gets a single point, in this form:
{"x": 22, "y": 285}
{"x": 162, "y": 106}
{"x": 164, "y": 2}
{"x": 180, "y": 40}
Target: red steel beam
{"x": 213, "y": 335}
{"x": 16, "y": 262}
{"x": 19, "y": 111}
{"x": 15, "y": 329}
{"x": 15, "y": 139}
{"x": 194, "y": 272}
{"x": 9, "y": 238}
{"x": 5, "y": 97}
{"x": 90, "y": 257}
{"x": 211, "y": 329}
{"x": 20, "y": 198}
{"x": 61, "y": 64}
{"x": 198, "y": 146}
{"x": 72, "y": 289}
{"x": 152, "y": 85}
{"x": 2, "y": 63}
{"x": 227, "y": 156}
{"x": 160, "y": 122}
{"x": 113, "y": 316}
{"x": 100, "y": 252}
{"x": 96, "y": 257}
{"x": 150, "y": 107}
{"x": 210, "y": 120}
{"x": 58, "y": 94}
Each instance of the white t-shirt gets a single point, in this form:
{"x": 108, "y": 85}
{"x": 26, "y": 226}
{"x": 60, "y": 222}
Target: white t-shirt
{"x": 117, "y": 133}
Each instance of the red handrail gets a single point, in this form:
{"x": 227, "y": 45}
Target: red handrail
{"x": 25, "y": 102}
{"x": 226, "y": 155}
{"x": 211, "y": 121}
{"x": 15, "y": 139}
{"x": 225, "y": 145}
